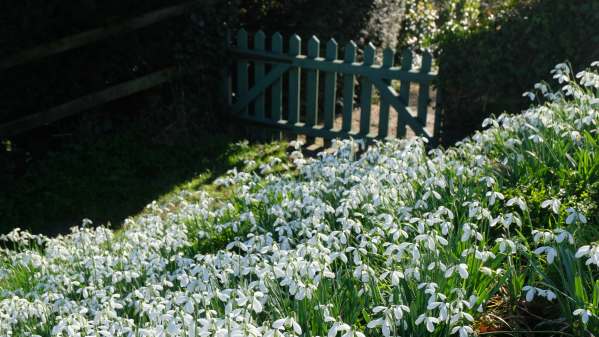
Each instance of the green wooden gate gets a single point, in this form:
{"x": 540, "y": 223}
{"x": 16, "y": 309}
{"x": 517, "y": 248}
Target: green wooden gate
{"x": 288, "y": 85}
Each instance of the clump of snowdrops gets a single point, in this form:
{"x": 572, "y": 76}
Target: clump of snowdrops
{"x": 400, "y": 241}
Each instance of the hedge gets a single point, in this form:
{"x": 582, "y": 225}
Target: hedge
{"x": 485, "y": 71}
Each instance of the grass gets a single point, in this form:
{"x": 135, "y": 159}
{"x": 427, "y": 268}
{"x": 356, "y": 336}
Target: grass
{"x": 116, "y": 176}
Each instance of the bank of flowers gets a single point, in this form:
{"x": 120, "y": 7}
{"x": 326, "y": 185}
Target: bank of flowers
{"x": 400, "y": 241}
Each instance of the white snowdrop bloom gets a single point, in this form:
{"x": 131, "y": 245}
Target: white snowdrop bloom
{"x": 562, "y": 234}
{"x": 536, "y": 138}
{"x": 584, "y": 314}
{"x": 461, "y": 268}
{"x": 504, "y": 244}
{"x": 541, "y": 87}
{"x": 494, "y": 195}
{"x": 561, "y": 73}
{"x": 530, "y": 293}
{"x": 462, "y": 331}
{"x": 428, "y": 321}
{"x": 550, "y": 251}
{"x": 590, "y": 251}
{"x": 575, "y": 217}
{"x": 517, "y": 201}
{"x": 530, "y": 95}
{"x": 287, "y": 323}
{"x": 553, "y": 203}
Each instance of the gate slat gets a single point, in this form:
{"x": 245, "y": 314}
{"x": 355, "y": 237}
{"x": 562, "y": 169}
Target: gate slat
{"x": 259, "y": 38}
{"x": 330, "y": 87}
{"x": 294, "y": 81}
{"x": 312, "y": 84}
{"x": 404, "y": 91}
{"x": 275, "y": 74}
{"x": 366, "y": 92}
{"x": 277, "y": 87}
{"x": 388, "y": 55}
{"x": 242, "y": 68}
{"x": 348, "y": 88}
{"x": 423, "y": 91}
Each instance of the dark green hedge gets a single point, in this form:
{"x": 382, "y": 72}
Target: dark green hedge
{"x": 485, "y": 71}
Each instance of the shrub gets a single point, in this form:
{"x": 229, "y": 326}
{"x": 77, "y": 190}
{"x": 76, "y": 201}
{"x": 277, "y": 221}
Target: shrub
{"x": 483, "y": 70}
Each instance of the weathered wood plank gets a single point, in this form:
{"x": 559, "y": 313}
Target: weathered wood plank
{"x": 404, "y": 90}
{"x": 295, "y": 43}
{"x": 274, "y": 75}
{"x": 86, "y": 102}
{"x": 338, "y": 66}
{"x": 348, "y": 88}
{"x": 330, "y": 87}
{"x": 423, "y": 90}
{"x": 277, "y": 87}
{"x": 94, "y": 35}
{"x": 392, "y": 97}
{"x": 242, "y": 68}
{"x": 366, "y": 92}
{"x": 312, "y": 84}
{"x": 259, "y": 41}
{"x": 388, "y": 55}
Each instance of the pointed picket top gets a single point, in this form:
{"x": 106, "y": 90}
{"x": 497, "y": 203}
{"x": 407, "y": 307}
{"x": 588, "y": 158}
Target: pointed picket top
{"x": 259, "y": 39}
{"x": 350, "y": 52}
{"x": 314, "y": 47}
{"x": 388, "y": 55}
{"x": 406, "y": 60}
{"x": 277, "y": 43}
{"x": 427, "y": 60}
{"x": 369, "y": 53}
{"x": 332, "y": 48}
{"x": 295, "y": 45}
{"x": 242, "y": 39}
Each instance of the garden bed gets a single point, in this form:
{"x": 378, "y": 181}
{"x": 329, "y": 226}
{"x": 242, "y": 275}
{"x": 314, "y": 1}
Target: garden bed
{"x": 495, "y": 234}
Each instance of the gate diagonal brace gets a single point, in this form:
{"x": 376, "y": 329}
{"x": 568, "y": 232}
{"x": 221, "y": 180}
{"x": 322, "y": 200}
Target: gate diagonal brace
{"x": 260, "y": 86}
{"x": 389, "y": 94}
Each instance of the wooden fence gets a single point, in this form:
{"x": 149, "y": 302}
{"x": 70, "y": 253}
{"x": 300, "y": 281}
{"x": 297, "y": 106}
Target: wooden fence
{"x": 105, "y": 95}
{"x": 277, "y": 74}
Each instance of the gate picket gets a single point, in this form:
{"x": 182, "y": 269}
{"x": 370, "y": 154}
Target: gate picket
{"x": 348, "y": 88}
{"x": 295, "y": 47}
{"x": 330, "y": 87}
{"x": 423, "y": 90}
{"x": 293, "y": 63}
{"x": 277, "y": 88}
{"x": 312, "y": 84}
{"x": 388, "y": 55}
{"x": 404, "y": 91}
{"x": 242, "y": 68}
{"x": 259, "y": 38}
{"x": 366, "y": 92}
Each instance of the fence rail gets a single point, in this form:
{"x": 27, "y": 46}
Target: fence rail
{"x": 300, "y": 74}
{"x": 83, "y": 39}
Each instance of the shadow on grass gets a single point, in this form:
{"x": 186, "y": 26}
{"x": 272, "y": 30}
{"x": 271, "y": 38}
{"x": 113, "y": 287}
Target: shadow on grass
{"x": 108, "y": 179}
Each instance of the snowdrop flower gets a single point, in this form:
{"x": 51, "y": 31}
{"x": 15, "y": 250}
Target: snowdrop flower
{"x": 550, "y": 251}
{"x": 461, "y": 268}
{"x": 530, "y": 95}
{"x": 562, "y": 234}
{"x": 584, "y": 314}
{"x": 575, "y": 216}
{"x": 590, "y": 251}
{"x": 463, "y": 331}
{"x": 554, "y": 204}
{"x": 493, "y": 195}
{"x": 288, "y": 322}
{"x": 346, "y": 330}
{"x": 517, "y": 201}
{"x": 428, "y": 321}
